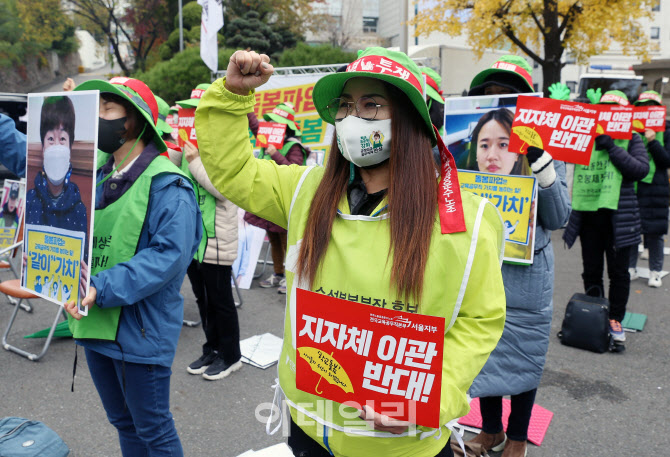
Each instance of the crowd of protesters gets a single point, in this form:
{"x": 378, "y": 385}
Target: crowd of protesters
{"x": 369, "y": 221}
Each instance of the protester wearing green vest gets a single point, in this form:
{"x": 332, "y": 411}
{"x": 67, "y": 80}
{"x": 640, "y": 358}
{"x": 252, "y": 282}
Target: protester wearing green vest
{"x": 653, "y": 193}
{"x": 606, "y": 216}
{"x": 293, "y": 152}
{"x": 385, "y": 240}
{"x": 211, "y": 269}
{"x": 516, "y": 365}
{"x": 146, "y": 231}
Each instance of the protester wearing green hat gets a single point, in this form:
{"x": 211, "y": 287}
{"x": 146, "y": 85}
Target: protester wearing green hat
{"x": 292, "y": 152}
{"x": 515, "y": 367}
{"x": 163, "y": 113}
{"x": 653, "y": 193}
{"x": 374, "y": 222}
{"x": 509, "y": 74}
{"x": 147, "y": 228}
{"x": 606, "y": 215}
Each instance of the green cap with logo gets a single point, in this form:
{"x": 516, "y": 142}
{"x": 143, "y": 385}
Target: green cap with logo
{"x": 284, "y": 113}
{"x": 614, "y": 97}
{"x": 392, "y": 67}
{"x": 433, "y": 83}
{"x": 138, "y": 94}
{"x": 196, "y": 95}
{"x": 649, "y": 97}
{"x": 510, "y": 71}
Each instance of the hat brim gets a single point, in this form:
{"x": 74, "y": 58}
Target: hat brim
{"x": 330, "y": 87}
{"x": 164, "y": 127}
{"x": 104, "y": 86}
{"x": 272, "y": 117}
{"x": 435, "y": 95}
{"x": 190, "y": 103}
{"x": 481, "y": 78}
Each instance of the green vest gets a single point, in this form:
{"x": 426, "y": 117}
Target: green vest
{"x": 285, "y": 149}
{"x": 597, "y": 185}
{"x": 207, "y": 204}
{"x": 652, "y": 165}
{"x": 116, "y": 234}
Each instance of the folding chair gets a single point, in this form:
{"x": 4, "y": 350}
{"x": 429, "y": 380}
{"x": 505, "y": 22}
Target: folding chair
{"x": 265, "y": 262}
{"x": 7, "y": 265}
{"x": 12, "y": 288}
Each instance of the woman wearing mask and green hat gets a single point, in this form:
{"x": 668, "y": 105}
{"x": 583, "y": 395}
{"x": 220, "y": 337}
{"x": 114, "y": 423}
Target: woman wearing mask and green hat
{"x": 652, "y": 195}
{"x": 147, "y": 228}
{"x": 606, "y": 215}
{"x": 369, "y": 222}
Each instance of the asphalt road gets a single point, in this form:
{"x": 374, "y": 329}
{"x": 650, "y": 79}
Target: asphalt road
{"x": 604, "y": 405}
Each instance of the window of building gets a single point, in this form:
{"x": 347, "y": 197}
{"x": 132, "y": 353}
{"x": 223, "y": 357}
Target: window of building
{"x": 655, "y": 33}
{"x": 370, "y": 24}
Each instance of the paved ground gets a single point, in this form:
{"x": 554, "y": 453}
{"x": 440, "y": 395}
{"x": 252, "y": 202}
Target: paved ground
{"x": 605, "y": 405}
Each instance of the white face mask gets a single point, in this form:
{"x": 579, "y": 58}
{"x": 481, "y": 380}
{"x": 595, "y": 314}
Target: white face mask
{"x": 364, "y": 143}
{"x": 56, "y": 163}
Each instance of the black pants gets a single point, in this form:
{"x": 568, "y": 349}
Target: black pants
{"x": 519, "y": 418}
{"x": 597, "y": 239}
{"x": 214, "y": 295}
{"x": 303, "y": 446}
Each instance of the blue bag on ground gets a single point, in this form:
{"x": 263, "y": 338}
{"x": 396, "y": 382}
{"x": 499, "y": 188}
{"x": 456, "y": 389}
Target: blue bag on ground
{"x": 26, "y": 438}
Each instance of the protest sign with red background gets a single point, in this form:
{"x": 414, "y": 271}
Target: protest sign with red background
{"x": 370, "y": 355}
{"x": 649, "y": 117}
{"x": 615, "y": 121}
{"x": 270, "y": 133}
{"x": 564, "y": 129}
{"x": 186, "y": 125}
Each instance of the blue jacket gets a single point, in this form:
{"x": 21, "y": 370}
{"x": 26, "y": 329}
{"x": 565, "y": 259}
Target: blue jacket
{"x": 148, "y": 285}
{"x": 516, "y": 364}
{"x": 12, "y": 146}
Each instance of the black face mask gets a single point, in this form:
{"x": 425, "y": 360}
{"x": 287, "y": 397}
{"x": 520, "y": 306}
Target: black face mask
{"x": 109, "y": 134}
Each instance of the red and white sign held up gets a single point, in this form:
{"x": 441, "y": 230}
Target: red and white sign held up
{"x": 270, "y": 133}
{"x": 649, "y": 117}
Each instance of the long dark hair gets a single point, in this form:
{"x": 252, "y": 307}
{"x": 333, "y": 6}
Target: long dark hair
{"x": 504, "y": 117}
{"x": 412, "y": 201}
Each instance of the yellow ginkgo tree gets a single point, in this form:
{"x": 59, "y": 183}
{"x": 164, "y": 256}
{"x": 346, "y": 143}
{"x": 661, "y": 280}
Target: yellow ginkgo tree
{"x": 542, "y": 29}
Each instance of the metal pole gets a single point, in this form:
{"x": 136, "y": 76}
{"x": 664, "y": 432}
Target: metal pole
{"x": 181, "y": 29}
{"x": 403, "y": 27}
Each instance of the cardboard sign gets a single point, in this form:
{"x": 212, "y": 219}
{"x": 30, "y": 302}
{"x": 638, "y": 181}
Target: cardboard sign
{"x": 566, "y": 130}
{"x": 270, "y": 133}
{"x": 514, "y": 197}
{"x": 347, "y": 352}
{"x": 186, "y": 126}
{"x": 58, "y": 237}
{"x": 649, "y": 117}
{"x": 615, "y": 121}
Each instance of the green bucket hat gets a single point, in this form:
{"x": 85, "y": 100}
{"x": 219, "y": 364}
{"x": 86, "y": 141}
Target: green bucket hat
{"x": 433, "y": 83}
{"x": 509, "y": 71}
{"x": 137, "y": 93}
{"x": 163, "y": 113}
{"x": 392, "y": 67}
{"x": 649, "y": 96}
{"x": 284, "y": 113}
{"x": 196, "y": 95}
{"x": 614, "y": 97}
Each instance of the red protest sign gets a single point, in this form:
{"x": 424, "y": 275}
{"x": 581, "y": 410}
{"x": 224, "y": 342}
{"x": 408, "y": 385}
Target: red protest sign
{"x": 649, "y": 117}
{"x": 566, "y": 130}
{"x": 270, "y": 133}
{"x": 615, "y": 121}
{"x": 355, "y": 354}
{"x": 186, "y": 126}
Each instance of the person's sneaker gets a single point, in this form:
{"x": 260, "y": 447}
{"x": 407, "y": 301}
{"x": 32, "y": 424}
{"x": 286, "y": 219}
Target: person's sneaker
{"x": 282, "y": 286}
{"x": 633, "y": 274}
{"x": 271, "y": 281}
{"x": 200, "y": 365}
{"x": 654, "y": 279}
{"x": 490, "y": 441}
{"x": 617, "y": 332}
{"x": 219, "y": 369}
{"x": 645, "y": 254}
